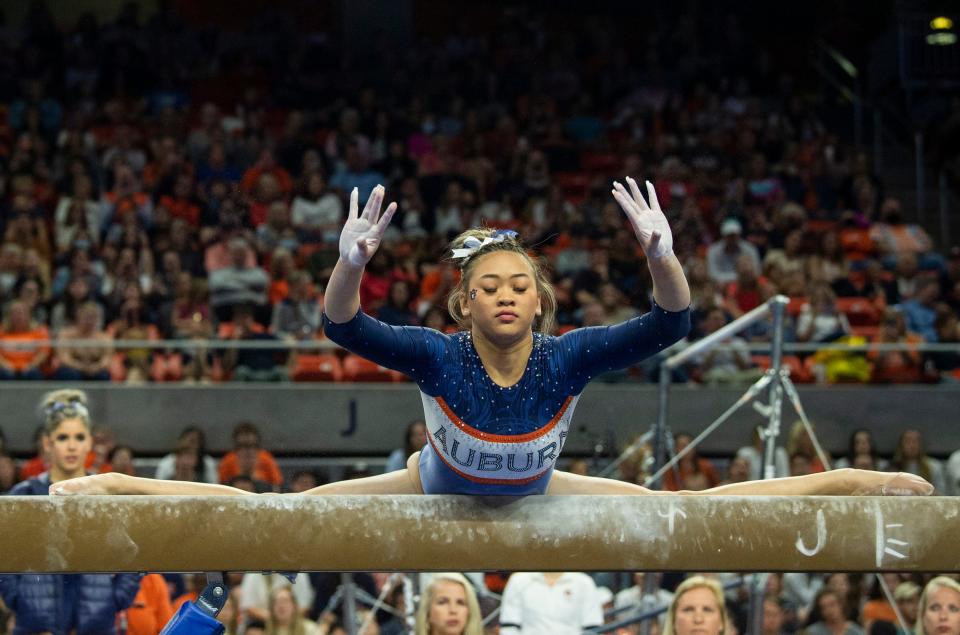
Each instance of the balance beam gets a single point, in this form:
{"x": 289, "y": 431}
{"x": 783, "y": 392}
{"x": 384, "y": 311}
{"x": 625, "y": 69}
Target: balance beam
{"x": 437, "y": 533}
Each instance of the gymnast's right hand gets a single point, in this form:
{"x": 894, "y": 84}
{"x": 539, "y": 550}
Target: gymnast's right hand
{"x": 89, "y": 485}
{"x": 362, "y": 233}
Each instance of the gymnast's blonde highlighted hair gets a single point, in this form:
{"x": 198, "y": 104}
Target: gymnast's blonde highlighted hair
{"x": 548, "y": 299}
{"x": 474, "y": 624}
{"x": 59, "y": 405}
{"x": 697, "y": 582}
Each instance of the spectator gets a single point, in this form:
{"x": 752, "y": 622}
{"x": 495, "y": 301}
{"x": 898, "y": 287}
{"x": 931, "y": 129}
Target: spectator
{"x": 877, "y": 608}
{"x": 861, "y": 445}
{"x": 738, "y": 470}
{"x": 939, "y": 607}
{"x": 698, "y": 607}
{"x": 895, "y": 238}
{"x": 355, "y": 173}
{"x": 277, "y": 231}
{"x": 286, "y": 617}
{"x": 946, "y": 363}
{"x": 239, "y": 283}
{"x": 306, "y": 480}
{"x": 257, "y": 591}
{"x": 722, "y": 255}
{"x": 11, "y": 258}
{"x": 248, "y": 457}
{"x": 904, "y": 365}
{"x": 87, "y": 363}
{"x": 8, "y": 473}
{"x": 78, "y": 218}
{"x": 907, "y": 597}
{"x": 127, "y": 198}
{"x": 84, "y": 603}
{"x": 831, "y": 606}
{"x": 415, "y": 438}
{"x": 920, "y": 311}
{"x": 449, "y": 606}
{"x": 254, "y": 364}
{"x": 549, "y": 603}
{"x": 297, "y": 316}
{"x": 19, "y": 329}
{"x": 636, "y": 597}
{"x": 151, "y": 608}
{"x": 819, "y": 320}
{"x": 120, "y": 461}
{"x": 397, "y": 309}
{"x": 65, "y": 311}
{"x": 191, "y": 442}
{"x": 28, "y": 291}
{"x": 728, "y": 363}
{"x": 693, "y": 471}
{"x": 910, "y": 456}
{"x": 753, "y": 454}
{"x": 189, "y": 319}
{"x": 774, "y": 616}
{"x": 317, "y": 213}
{"x": 134, "y": 323}
{"x": 800, "y": 442}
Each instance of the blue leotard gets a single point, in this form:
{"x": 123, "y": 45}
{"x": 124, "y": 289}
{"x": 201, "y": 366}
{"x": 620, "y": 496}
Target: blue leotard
{"x": 486, "y": 439}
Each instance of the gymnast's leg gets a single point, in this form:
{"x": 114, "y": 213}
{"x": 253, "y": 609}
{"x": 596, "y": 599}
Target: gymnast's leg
{"x": 845, "y": 482}
{"x": 406, "y": 481}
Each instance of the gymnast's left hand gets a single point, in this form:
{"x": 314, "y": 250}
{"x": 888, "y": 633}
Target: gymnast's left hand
{"x": 89, "y": 485}
{"x": 649, "y": 222}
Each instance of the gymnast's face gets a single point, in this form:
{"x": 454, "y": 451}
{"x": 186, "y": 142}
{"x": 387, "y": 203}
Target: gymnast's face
{"x": 942, "y": 614}
{"x": 698, "y": 614}
{"x": 506, "y": 301}
{"x": 448, "y": 608}
{"x": 67, "y": 446}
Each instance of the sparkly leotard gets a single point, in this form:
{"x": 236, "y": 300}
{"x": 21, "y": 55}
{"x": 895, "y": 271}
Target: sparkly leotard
{"x": 486, "y": 439}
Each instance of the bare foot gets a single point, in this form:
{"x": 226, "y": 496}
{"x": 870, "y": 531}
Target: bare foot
{"x": 899, "y": 484}
{"x": 89, "y": 485}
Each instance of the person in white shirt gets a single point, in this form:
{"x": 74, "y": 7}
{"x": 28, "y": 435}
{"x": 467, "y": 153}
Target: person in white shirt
{"x": 256, "y": 590}
{"x": 753, "y": 454}
{"x": 634, "y": 596}
{"x": 317, "y": 213}
{"x": 549, "y": 604}
{"x": 911, "y": 456}
{"x": 192, "y": 438}
{"x": 722, "y": 255}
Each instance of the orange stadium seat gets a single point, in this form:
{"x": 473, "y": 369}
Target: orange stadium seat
{"x": 356, "y": 368}
{"x": 317, "y": 367}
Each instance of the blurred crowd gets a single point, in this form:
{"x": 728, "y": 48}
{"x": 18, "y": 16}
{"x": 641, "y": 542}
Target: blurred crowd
{"x": 161, "y": 181}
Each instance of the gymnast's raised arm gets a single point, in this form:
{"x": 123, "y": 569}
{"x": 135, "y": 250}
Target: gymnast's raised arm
{"x": 650, "y": 225}
{"x": 359, "y": 240}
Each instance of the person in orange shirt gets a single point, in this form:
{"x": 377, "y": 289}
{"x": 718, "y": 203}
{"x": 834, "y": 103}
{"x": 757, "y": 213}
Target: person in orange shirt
{"x": 248, "y": 458}
{"x": 20, "y": 329}
{"x": 196, "y": 583}
{"x": 151, "y": 608}
{"x": 695, "y": 472}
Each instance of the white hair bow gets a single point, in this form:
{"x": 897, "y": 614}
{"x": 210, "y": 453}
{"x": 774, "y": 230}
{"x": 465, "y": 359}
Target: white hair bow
{"x": 472, "y": 244}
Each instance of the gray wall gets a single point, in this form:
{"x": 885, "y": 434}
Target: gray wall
{"x": 370, "y": 419}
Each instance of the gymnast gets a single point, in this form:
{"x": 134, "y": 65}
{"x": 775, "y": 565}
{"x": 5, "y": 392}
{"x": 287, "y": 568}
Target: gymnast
{"x": 498, "y": 396}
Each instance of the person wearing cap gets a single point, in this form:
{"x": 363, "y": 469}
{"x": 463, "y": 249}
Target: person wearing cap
{"x": 722, "y": 255}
